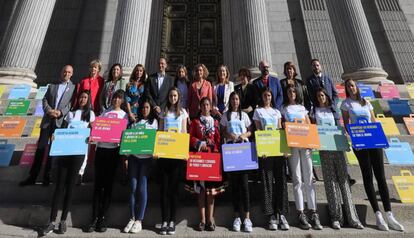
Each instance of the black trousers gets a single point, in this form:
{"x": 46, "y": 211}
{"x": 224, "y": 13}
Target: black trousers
{"x": 45, "y": 134}
{"x": 106, "y": 163}
{"x": 67, "y": 171}
{"x": 239, "y": 182}
{"x": 170, "y": 171}
{"x": 373, "y": 160}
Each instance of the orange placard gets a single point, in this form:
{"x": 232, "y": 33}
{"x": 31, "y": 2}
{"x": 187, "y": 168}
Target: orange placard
{"x": 300, "y": 135}
{"x": 12, "y": 126}
{"x": 409, "y": 123}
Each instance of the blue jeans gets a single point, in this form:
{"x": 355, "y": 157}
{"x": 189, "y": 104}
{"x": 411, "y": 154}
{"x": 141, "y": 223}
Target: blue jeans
{"x": 138, "y": 170}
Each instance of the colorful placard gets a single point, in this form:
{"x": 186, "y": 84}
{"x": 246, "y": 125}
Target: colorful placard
{"x": 41, "y": 91}
{"x": 12, "y": 126}
{"x": 28, "y": 155}
{"x": 377, "y": 107}
{"x": 340, "y": 89}
{"x": 405, "y": 186}
{"x": 17, "y": 108}
{"x": 36, "y": 128}
{"x": 409, "y": 123}
{"x": 388, "y": 125}
{"x": 399, "y": 152}
{"x": 76, "y": 138}
{"x": 6, "y": 153}
{"x": 399, "y": 107}
{"x": 410, "y": 89}
{"x": 138, "y": 142}
{"x": 172, "y": 145}
{"x": 366, "y": 135}
{"x": 238, "y": 157}
{"x": 388, "y": 91}
{"x": 39, "y": 109}
{"x": 108, "y": 129}
{"x": 316, "y": 158}
{"x": 366, "y": 91}
{"x": 19, "y": 92}
{"x": 2, "y": 90}
{"x": 351, "y": 157}
{"x": 204, "y": 167}
{"x": 333, "y": 138}
{"x": 300, "y": 135}
{"x": 271, "y": 143}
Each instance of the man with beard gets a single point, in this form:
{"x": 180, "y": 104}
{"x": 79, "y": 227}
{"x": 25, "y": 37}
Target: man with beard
{"x": 268, "y": 81}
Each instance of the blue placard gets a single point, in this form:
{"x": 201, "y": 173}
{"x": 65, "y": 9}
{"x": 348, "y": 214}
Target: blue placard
{"x": 237, "y": 157}
{"x": 366, "y": 91}
{"x": 399, "y": 107}
{"x": 39, "y": 109}
{"x": 19, "y": 92}
{"x": 333, "y": 138}
{"x": 70, "y": 142}
{"x": 366, "y": 135}
{"x": 41, "y": 91}
{"x": 6, "y": 153}
{"x": 399, "y": 152}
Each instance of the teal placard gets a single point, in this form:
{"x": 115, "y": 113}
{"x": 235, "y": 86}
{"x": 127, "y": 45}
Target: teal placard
{"x": 138, "y": 142}
{"x": 17, "y": 108}
{"x": 333, "y": 138}
{"x": 41, "y": 92}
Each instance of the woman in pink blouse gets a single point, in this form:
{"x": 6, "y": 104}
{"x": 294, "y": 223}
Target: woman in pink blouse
{"x": 200, "y": 87}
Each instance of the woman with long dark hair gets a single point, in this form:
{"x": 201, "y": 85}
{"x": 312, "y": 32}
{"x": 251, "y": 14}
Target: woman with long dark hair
{"x": 135, "y": 90}
{"x": 115, "y": 82}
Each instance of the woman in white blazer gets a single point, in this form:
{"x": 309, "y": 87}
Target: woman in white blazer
{"x": 222, "y": 90}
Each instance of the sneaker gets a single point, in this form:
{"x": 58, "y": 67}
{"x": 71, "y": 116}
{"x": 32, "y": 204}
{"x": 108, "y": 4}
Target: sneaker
{"x": 248, "y": 225}
{"x": 47, "y": 229}
{"x": 336, "y": 225}
{"x": 100, "y": 225}
{"x": 393, "y": 224}
{"x": 137, "y": 227}
{"x": 272, "y": 223}
{"x": 303, "y": 222}
{"x": 316, "y": 223}
{"x": 171, "y": 228}
{"x": 284, "y": 225}
{"x": 129, "y": 226}
{"x": 92, "y": 226}
{"x": 382, "y": 226}
{"x": 357, "y": 225}
{"x": 237, "y": 224}
{"x": 62, "y": 228}
{"x": 164, "y": 228}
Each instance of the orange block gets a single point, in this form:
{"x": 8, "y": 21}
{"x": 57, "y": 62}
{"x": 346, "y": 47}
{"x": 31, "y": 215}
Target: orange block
{"x": 300, "y": 135}
{"x": 12, "y": 126}
{"x": 409, "y": 123}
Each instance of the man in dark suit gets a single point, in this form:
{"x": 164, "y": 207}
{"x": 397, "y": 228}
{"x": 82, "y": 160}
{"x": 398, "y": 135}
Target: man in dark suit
{"x": 56, "y": 104}
{"x": 267, "y": 81}
{"x": 320, "y": 80}
{"x": 157, "y": 86}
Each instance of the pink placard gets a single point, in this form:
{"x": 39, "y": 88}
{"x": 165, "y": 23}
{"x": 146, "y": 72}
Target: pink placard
{"x": 341, "y": 90}
{"x": 389, "y": 91}
{"x": 29, "y": 154}
{"x": 108, "y": 129}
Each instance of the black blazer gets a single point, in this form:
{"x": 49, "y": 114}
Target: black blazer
{"x": 247, "y": 98}
{"x": 158, "y": 97}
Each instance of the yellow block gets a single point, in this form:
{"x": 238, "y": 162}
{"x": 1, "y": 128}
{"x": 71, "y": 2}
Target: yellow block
{"x": 351, "y": 157}
{"x": 405, "y": 186}
{"x": 271, "y": 143}
{"x": 410, "y": 89}
{"x": 388, "y": 125}
{"x": 171, "y": 145}
{"x": 36, "y": 128}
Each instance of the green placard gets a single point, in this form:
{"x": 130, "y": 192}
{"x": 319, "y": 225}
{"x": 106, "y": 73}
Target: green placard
{"x": 138, "y": 142}
{"x": 316, "y": 158}
{"x": 17, "y": 108}
{"x": 271, "y": 143}
{"x": 377, "y": 107}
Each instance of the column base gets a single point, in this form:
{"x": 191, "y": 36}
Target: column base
{"x": 368, "y": 76}
{"x": 17, "y": 76}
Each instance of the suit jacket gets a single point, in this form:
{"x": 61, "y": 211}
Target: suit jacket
{"x": 275, "y": 87}
{"x": 49, "y": 102}
{"x": 158, "y": 97}
{"x": 228, "y": 88}
{"x": 313, "y": 84}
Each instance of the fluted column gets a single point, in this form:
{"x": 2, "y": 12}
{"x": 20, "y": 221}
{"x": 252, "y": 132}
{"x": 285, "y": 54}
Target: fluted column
{"x": 245, "y": 33}
{"x": 21, "y": 45}
{"x": 129, "y": 43}
{"x": 355, "y": 43}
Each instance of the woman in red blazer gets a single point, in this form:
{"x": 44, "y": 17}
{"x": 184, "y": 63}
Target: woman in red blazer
{"x": 200, "y": 87}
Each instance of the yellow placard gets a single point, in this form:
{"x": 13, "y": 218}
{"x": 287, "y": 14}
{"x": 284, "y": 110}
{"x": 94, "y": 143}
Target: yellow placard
{"x": 410, "y": 89}
{"x": 172, "y": 145}
{"x": 351, "y": 157}
{"x": 2, "y": 89}
{"x": 271, "y": 143}
{"x": 404, "y": 184}
{"x": 36, "y": 128}
{"x": 388, "y": 125}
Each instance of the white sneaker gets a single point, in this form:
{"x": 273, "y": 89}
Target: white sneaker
{"x": 129, "y": 226}
{"x": 137, "y": 227}
{"x": 248, "y": 225}
{"x": 382, "y": 226}
{"x": 393, "y": 223}
{"x": 237, "y": 224}
{"x": 284, "y": 225}
{"x": 272, "y": 223}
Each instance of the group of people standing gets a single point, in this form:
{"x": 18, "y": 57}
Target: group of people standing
{"x": 213, "y": 113}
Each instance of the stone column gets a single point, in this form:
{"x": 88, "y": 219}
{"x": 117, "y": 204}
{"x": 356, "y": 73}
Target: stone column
{"x": 129, "y": 43}
{"x": 355, "y": 43}
{"x": 245, "y": 34}
{"x": 23, "y": 40}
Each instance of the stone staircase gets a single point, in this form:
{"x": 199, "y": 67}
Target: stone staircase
{"x": 30, "y": 206}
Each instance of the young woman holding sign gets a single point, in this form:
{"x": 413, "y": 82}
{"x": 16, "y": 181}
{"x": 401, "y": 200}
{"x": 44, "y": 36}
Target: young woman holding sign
{"x": 106, "y": 162}
{"x": 275, "y": 195}
{"x": 354, "y": 107}
{"x": 334, "y": 168}
{"x": 172, "y": 118}
{"x": 68, "y": 166}
{"x": 205, "y": 137}
{"x": 301, "y": 163}
{"x": 139, "y": 167}
{"x": 236, "y": 129}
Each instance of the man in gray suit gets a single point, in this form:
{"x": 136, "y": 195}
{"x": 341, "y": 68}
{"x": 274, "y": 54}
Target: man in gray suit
{"x": 56, "y": 104}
